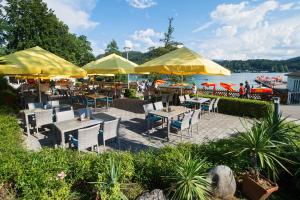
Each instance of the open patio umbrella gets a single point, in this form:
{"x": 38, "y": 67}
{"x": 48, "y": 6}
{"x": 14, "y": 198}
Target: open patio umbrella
{"x": 227, "y": 86}
{"x": 182, "y": 61}
{"x": 38, "y": 63}
{"x": 209, "y": 84}
{"x": 111, "y": 64}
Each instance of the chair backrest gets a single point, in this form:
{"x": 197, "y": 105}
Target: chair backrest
{"x": 111, "y": 129}
{"x": 187, "y": 97}
{"x": 65, "y": 115}
{"x": 87, "y": 137}
{"x": 181, "y": 99}
{"x": 216, "y": 103}
{"x": 35, "y": 105}
{"x": 185, "y": 123}
{"x": 44, "y": 117}
{"x": 158, "y": 105}
{"x": 195, "y": 116}
{"x": 86, "y": 111}
{"x": 211, "y": 104}
{"x": 165, "y": 98}
{"x": 148, "y": 108}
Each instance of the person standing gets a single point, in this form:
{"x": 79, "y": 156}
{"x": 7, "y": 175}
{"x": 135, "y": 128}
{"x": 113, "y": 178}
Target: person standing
{"x": 194, "y": 88}
{"x": 247, "y": 90}
{"x": 242, "y": 90}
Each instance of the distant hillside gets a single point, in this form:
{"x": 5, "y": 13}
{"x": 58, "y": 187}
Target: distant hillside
{"x": 253, "y": 65}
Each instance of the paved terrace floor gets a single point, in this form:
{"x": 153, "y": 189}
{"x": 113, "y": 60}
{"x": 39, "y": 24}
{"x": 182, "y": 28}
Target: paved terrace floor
{"x": 134, "y": 134}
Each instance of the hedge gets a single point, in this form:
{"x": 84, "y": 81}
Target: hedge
{"x": 243, "y": 107}
{"x": 34, "y": 175}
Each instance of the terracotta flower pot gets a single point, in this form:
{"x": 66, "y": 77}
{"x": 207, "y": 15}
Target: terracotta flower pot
{"x": 255, "y": 191}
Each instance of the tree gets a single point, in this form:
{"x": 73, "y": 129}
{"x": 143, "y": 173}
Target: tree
{"x": 30, "y": 23}
{"x": 168, "y": 36}
{"x": 2, "y": 30}
{"x": 112, "y": 47}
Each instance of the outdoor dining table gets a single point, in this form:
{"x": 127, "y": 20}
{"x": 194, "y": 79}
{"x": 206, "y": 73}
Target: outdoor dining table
{"x": 28, "y": 112}
{"x": 72, "y": 125}
{"x": 198, "y": 101}
{"x": 98, "y": 96}
{"x": 169, "y": 115}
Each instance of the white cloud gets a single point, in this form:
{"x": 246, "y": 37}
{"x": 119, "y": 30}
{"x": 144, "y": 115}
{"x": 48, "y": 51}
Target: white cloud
{"x": 97, "y": 47}
{"x": 146, "y": 38}
{"x": 249, "y": 33}
{"x": 141, "y": 4}
{"x": 228, "y": 31}
{"x": 203, "y": 27}
{"x": 242, "y": 14}
{"x": 286, "y": 6}
{"x": 132, "y": 45}
{"x": 75, "y": 13}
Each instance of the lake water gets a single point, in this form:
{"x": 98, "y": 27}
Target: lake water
{"x": 235, "y": 78}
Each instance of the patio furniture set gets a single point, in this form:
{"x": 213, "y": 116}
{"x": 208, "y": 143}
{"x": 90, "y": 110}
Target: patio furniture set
{"x": 180, "y": 118}
{"x": 82, "y": 128}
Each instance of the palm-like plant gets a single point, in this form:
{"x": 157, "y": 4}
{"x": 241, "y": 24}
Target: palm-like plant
{"x": 189, "y": 182}
{"x": 263, "y": 148}
{"x": 279, "y": 128}
{"x": 109, "y": 184}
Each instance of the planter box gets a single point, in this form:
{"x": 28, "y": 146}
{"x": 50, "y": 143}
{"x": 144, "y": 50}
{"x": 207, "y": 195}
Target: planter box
{"x": 256, "y": 192}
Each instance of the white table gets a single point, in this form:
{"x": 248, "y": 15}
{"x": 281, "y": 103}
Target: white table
{"x": 72, "y": 125}
{"x": 175, "y": 112}
{"x": 198, "y": 101}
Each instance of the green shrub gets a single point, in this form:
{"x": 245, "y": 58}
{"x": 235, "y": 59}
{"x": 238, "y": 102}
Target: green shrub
{"x": 130, "y": 93}
{"x": 243, "y": 107}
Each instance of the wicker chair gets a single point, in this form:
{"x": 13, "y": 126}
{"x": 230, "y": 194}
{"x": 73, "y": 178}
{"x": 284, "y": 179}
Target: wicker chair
{"x": 181, "y": 125}
{"x": 208, "y": 107}
{"x": 87, "y": 138}
{"x": 110, "y": 130}
{"x": 215, "y": 107}
{"x": 195, "y": 120}
{"x": 64, "y": 116}
{"x": 43, "y": 118}
{"x": 158, "y": 105}
{"x": 35, "y": 105}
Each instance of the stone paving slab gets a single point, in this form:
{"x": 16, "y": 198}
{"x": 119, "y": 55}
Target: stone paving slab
{"x": 134, "y": 134}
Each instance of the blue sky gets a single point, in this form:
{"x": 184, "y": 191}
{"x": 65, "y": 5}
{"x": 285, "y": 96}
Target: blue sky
{"x": 214, "y": 28}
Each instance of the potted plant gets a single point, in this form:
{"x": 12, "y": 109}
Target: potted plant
{"x": 264, "y": 153}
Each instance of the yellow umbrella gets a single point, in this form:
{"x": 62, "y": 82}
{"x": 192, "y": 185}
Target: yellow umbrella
{"x": 182, "y": 61}
{"x": 39, "y": 63}
{"x": 111, "y": 64}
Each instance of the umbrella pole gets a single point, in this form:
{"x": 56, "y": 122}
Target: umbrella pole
{"x": 40, "y": 95}
{"x": 181, "y": 85}
{"x": 128, "y": 81}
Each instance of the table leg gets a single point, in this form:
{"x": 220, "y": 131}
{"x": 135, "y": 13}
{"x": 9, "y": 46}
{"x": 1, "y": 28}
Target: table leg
{"x": 27, "y": 124}
{"x": 95, "y": 101}
{"x": 106, "y": 102}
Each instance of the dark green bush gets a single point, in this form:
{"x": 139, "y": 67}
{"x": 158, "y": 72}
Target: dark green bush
{"x": 130, "y": 93}
{"x": 243, "y": 107}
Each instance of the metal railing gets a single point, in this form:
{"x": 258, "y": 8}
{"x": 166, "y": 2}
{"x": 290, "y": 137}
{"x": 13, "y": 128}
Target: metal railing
{"x": 293, "y": 98}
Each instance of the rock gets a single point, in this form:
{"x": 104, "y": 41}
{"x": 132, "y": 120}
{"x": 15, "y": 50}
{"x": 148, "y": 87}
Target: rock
{"x": 153, "y": 195}
{"x": 222, "y": 181}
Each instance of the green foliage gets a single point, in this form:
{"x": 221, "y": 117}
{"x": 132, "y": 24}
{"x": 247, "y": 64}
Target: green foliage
{"x": 30, "y": 23}
{"x": 243, "y": 107}
{"x": 264, "y": 150}
{"x": 130, "y": 93}
{"x": 189, "y": 182}
{"x": 259, "y": 65}
{"x": 168, "y": 36}
{"x": 8, "y": 96}
{"x": 112, "y": 47}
